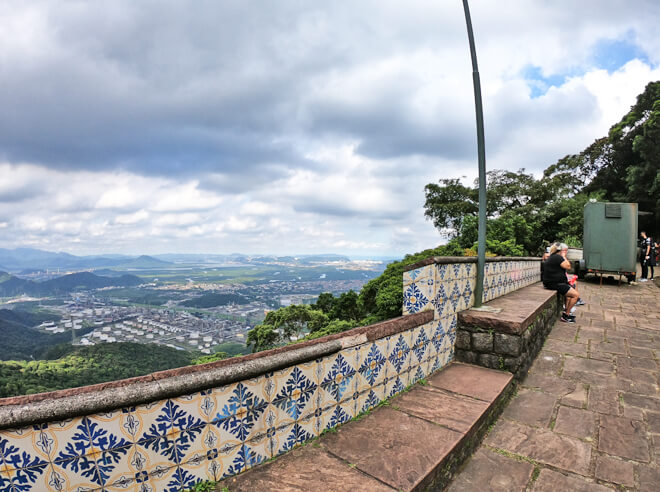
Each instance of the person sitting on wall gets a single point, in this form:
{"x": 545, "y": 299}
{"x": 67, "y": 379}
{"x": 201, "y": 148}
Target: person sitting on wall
{"x": 554, "y": 278}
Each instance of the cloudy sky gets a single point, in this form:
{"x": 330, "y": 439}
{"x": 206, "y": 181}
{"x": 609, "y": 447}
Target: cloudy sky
{"x": 290, "y": 127}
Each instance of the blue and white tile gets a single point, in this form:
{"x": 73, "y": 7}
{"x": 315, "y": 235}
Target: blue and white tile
{"x": 240, "y": 408}
{"x": 338, "y": 380}
{"x": 294, "y": 395}
{"x": 398, "y": 358}
{"x": 372, "y": 365}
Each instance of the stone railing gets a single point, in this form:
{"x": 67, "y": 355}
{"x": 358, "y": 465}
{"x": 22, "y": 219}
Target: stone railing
{"x": 169, "y": 430}
{"x": 446, "y": 285}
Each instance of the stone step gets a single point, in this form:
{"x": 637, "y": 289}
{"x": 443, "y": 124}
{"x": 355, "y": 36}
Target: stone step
{"x": 413, "y": 442}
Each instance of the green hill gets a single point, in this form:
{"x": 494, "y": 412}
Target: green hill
{"x": 212, "y": 300}
{"x": 11, "y": 286}
{"x": 88, "y": 365}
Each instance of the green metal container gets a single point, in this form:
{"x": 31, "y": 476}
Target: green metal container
{"x": 610, "y": 238}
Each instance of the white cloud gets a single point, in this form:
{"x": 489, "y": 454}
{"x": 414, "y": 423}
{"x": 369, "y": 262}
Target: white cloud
{"x": 152, "y": 127}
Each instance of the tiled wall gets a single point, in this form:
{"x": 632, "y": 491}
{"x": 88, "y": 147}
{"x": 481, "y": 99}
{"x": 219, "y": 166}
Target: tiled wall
{"x": 172, "y": 444}
{"x": 447, "y": 288}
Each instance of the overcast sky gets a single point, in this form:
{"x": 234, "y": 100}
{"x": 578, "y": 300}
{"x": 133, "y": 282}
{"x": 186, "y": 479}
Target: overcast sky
{"x": 290, "y": 127}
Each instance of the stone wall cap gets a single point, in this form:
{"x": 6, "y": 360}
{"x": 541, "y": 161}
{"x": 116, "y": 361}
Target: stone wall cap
{"x": 444, "y": 260}
{"x": 85, "y": 400}
{"x": 518, "y": 310}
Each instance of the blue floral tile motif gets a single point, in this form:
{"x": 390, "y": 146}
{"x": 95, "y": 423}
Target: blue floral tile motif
{"x": 244, "y": 459}
{"x": 399, "y": 354}
{"x": 397, "y": 387}
{"x": 180, "y": 428}
{"x": 93, "y": 452}
{"x": 372, "y": 365}
{"x": 338, "y": 379}
{"x": 371, "y": 401}
{"x": 240, "y": 414}
{"x": 297, "y": 391}
{"x": 455, "y": 294}
{"x": 440, "y": 299}
{"x": 23, "y": 468}
{"x": 181, "y": 479}
{"x": 456, "y": 267}
{"x": 44, "y": 442}
{"x": 468, "y": 270}
{"x": 421, "y": 344}
{"x": 438, "y": 336}
{"x": 414, "y": 299}
{"x": 419, "y": 375}
{"x": 442, "y": 271}
{"x": 298, "y": 435}
{"x": 339, "y": 416}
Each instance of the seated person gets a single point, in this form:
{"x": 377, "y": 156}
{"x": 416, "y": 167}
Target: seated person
{"x": 554, "y": 278}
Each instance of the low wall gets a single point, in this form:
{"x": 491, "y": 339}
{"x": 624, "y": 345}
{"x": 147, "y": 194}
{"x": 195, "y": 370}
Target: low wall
{"x": 169, "y": 430}
{"x": 511, "y": 338}
{"x": 445, "y": 285}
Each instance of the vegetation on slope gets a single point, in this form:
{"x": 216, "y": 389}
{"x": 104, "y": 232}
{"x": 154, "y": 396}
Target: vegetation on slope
{"x": 82, "y": 366}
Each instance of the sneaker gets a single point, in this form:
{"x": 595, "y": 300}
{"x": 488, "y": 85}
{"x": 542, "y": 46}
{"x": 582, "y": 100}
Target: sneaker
{"x": 580, "y": 302}
{"x": 567, "y": 318}
{"x": 643, "y": 280}
{"x": 573, "y": 311}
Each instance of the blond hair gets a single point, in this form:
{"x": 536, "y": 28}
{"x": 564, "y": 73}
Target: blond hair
{"x": 557, "y": 247}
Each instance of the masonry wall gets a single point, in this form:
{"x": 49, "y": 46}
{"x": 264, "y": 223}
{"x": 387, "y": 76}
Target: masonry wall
{"x": 170, "y": 430}
{"x": 445, "y": 285}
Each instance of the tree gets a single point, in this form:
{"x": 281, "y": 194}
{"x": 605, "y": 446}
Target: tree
{"x": 285, "y": 324}
{"x": 347, "y": 307}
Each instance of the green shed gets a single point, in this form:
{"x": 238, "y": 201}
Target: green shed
{"x": 610, "y": 238}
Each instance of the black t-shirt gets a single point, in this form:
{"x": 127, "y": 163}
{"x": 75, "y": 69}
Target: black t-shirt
{"x": 553, "y": 273}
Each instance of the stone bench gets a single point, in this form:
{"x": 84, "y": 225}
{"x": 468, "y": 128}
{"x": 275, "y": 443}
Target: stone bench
{"x": 510, "y": 331}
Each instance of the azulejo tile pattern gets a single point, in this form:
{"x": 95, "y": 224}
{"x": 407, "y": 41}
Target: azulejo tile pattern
{"x": 172, "y": 444}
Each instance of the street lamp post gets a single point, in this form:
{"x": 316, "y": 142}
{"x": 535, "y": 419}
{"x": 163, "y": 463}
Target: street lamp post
{"x": 481, "y": 248}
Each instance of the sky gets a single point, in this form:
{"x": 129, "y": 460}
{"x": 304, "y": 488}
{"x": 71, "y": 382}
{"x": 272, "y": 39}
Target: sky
{"x": 290, "y": 127}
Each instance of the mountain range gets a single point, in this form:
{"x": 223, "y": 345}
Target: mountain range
{"x": 26, "y": 260}
{"x": 11, "y": 286}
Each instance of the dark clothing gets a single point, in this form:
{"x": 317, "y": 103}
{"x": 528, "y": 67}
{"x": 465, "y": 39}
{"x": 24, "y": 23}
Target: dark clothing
{"x": 553, "y": 273}
{"x": 649, "y": 244}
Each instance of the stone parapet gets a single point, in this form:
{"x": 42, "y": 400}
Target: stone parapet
{"x": 510, "y": 333}
{"x": 169, "y": 430}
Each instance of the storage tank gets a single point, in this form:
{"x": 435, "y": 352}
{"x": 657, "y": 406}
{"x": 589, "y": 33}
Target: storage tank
{"x": 610, "y": 239}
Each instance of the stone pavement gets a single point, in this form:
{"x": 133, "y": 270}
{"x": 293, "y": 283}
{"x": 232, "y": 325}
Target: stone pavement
{"x": 587, "y": 416}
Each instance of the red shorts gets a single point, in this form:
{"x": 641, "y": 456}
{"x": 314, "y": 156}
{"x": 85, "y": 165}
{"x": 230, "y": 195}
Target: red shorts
{"x": 572, "y": 280}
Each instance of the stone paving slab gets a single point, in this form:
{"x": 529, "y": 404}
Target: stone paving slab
{"x": 598, "y": 379}
{"x": 399, "y": 446}
{"x": 490, "y": 471}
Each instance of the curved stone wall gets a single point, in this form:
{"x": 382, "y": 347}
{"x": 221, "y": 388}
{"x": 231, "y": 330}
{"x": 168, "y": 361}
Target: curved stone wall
{"x": 169, "y": 430}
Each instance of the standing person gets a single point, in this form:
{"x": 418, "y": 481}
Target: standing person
{"x": 648, "y": 256}
{"x": 554, "y": 278}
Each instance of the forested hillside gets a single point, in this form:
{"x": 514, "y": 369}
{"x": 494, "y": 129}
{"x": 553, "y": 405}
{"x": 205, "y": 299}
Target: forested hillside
{"x": 11, "y": 286}
{"x": 80, "y": 366}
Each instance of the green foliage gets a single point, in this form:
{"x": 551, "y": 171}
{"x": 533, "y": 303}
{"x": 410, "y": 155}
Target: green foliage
{"x": 231, "y": 348}
{"x": 204, "y": 359}
{"x": 88, "y": 365}
{"x": 205, "y": 486}
{"x": 280, "y": 326}
{"x": 21, "y": 341}
{"x": 630, "y": 166}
